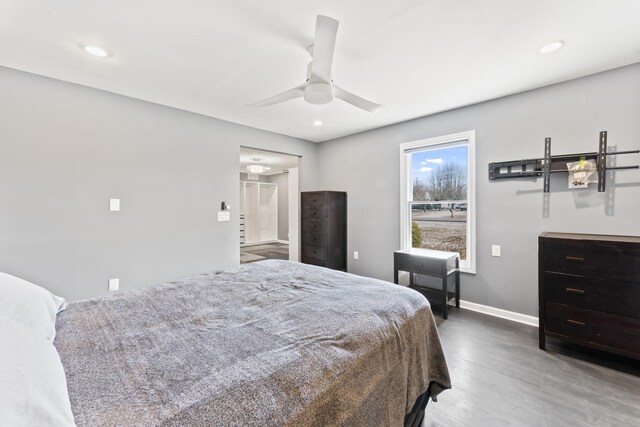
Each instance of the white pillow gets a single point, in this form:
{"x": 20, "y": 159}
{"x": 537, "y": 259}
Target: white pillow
{"x": 33, "y": 387}
{"x": 30, "y": 305}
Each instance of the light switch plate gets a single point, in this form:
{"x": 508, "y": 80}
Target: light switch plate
{"x": 495, "y": 250}
{"x": 356, "y": 255}
{"x": 114, "y": 205}
{"x": 114, "y": 285}
{"x": 224, "y": 216}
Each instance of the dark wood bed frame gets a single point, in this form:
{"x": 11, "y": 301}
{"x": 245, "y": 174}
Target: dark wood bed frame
{"x": 415, "y": 417}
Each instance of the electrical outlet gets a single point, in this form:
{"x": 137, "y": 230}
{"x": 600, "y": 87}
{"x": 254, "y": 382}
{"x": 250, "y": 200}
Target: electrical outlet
{"x": 224, "y": 216}
{"x": 356, "y": 255}
{"x": 114, "y": 285}
{"x": 495, "y": 250}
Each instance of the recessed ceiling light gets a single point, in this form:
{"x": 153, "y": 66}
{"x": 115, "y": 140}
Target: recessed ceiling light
{"x": 551, "y": 47}
{"x": 95, "y": 51}
{"x": 317, "y": 122}
{"x": 257, "y": 168}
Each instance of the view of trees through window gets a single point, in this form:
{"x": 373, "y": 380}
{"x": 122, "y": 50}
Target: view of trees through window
{"x": 439, "y": 207}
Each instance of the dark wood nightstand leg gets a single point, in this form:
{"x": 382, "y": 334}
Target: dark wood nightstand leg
{"x": 445, "y": 293}
{"x": 395, "y": 276}
{"x": 410, "y": 279}
{"x": 458, "y": 283}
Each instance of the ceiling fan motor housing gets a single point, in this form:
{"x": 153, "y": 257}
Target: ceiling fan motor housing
{"x": 318, "y": 93}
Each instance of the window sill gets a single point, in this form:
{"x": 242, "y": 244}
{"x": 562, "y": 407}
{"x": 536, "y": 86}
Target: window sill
{"x": 468, "y": 270}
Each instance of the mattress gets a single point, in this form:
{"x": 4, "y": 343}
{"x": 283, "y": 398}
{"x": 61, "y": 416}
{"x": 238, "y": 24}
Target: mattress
{"x": 273, "y": 343}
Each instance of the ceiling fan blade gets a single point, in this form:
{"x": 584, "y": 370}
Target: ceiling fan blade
{"x": 355, "y": 100}
{"x": 296, "y": 92}
{"x": 323, "y": 48}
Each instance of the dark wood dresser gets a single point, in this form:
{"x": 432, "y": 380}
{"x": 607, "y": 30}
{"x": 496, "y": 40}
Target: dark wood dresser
{"x": 324, "y": 229}
{"x": 589, "y": 291}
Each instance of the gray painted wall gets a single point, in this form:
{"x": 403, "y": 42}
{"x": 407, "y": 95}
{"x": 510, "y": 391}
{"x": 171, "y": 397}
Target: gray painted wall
{"x": 509, "y": 213}
{"x": 66, "y": 149}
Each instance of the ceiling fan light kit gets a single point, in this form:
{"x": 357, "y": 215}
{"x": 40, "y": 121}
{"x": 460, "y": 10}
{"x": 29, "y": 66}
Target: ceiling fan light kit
{"x": 318, "y": 93}
{"x": 319, "y": 88}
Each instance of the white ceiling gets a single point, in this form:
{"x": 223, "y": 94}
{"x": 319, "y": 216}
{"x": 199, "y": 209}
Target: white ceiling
{"x": 416, "y": 57}
{"x": 278, "y": 162}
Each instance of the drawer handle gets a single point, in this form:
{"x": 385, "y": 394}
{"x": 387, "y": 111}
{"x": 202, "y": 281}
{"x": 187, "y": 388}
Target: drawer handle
{"x": 314, "y": 212}
{"x": 575, "y": 291}
{"x": 574, "y": 258}
{"x": 576, "y": 323}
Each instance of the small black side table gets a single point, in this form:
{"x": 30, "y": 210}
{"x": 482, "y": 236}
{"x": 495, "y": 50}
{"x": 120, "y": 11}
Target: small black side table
{"x": 439, "y": 264}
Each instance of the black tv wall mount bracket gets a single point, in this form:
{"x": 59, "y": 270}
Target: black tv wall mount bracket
{"x": 549, "y": 164}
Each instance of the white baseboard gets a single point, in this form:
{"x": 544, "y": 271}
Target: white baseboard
{"x": 283, "y": 241}
{"x": 498, "y": 312}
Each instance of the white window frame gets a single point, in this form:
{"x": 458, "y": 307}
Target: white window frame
{"x": 406, "y": 195}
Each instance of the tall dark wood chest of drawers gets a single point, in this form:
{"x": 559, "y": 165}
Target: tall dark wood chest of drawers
{"x": 324, "y": 229}
{"x": 589, "y": 291}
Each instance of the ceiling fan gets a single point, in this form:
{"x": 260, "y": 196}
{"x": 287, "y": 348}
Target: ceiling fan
{"x": 319, "y": 87}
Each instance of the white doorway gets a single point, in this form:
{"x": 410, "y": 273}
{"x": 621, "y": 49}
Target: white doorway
{"x": 269, "y": 205}
{"x": 294, "y": 217}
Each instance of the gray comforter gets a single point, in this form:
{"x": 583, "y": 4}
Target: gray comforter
{"x": 276, "y": 343}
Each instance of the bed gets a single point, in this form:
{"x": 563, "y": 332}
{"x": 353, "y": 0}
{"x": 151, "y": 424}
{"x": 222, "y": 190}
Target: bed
{"x": 275, "y": 343}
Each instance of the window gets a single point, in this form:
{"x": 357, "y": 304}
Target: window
{"x": 438, "y": 195}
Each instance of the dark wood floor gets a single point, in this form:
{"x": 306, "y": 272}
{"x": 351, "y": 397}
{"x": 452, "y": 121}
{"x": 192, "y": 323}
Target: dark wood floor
{"x": 275, "y": 250}
{"x": 501, "y": 378}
